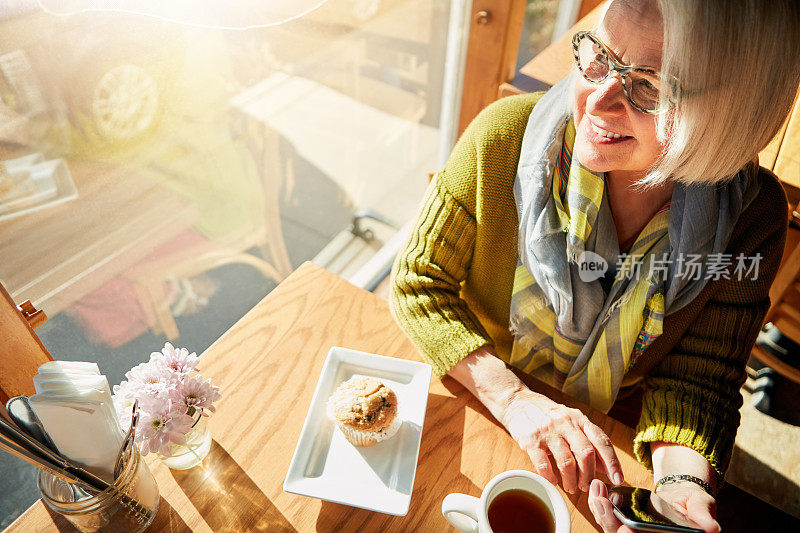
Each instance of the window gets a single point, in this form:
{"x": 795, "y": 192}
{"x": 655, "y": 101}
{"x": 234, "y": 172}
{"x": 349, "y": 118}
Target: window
{"x": 161, "y": 174}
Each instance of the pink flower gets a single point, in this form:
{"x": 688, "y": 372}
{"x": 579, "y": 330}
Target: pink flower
{"x": 170, "y": 392}
{"x": 149, "y": 380}
{"x": 123, "y": 398}
{"x": 195, "y": 395}
{"x": 161, "y": 424}
{"x": 179, "y": 360}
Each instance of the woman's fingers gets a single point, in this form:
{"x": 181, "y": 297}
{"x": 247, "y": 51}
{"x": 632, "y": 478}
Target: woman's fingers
{"x": 584, "y": 454}
{"x": 541, "y": 461}
{"x": 577, "y": 446}
{"x": 605, "y": 451}
{"x": 601, "y": 509}
{"x": 565, "y": 462}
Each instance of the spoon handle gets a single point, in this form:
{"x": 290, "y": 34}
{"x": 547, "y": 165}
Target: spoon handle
{"x": 21, "y": 412}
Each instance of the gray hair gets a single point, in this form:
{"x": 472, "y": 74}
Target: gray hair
{"x": 738, "y": 63}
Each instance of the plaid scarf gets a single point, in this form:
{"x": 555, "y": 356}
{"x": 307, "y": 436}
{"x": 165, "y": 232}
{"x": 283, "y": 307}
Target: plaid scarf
{"x": 631, "y": 320}
{"x": 564, "y": 311}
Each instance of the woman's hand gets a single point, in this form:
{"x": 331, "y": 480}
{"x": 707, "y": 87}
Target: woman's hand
{"x": 545, "y": 429}
{"x": 687, "y": 498}
{"x": 542, "y": 427}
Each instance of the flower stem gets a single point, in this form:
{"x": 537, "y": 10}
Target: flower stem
{"x": 191, "y": 412}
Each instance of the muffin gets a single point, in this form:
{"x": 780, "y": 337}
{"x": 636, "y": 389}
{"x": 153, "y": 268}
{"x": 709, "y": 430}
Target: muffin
{"x": 365, "y": 410}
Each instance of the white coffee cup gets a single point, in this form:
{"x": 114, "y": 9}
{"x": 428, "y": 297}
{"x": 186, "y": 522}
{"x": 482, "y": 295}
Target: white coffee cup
{"x": 470, "y": 514}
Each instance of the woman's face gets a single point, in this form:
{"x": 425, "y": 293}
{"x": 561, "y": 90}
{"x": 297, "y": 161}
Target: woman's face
{"x": 601, "y": 110}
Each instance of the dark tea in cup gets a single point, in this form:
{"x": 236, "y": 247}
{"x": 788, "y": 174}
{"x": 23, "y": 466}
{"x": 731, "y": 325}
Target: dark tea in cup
{"x": 518, "y": 511}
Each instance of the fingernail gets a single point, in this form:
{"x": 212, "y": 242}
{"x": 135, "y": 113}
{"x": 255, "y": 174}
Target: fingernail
{"x": 618, "y": 479}
{"x": 594, "y": 490}
{"x": 584, "y": 488}
{"x": 601, "y": 510}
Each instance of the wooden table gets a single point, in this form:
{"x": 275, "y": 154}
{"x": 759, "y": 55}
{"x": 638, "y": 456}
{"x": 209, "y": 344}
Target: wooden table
{"x": 267, "y": 365}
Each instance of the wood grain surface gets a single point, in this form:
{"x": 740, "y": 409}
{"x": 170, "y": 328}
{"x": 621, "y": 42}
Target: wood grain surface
{"x": 21, "y": 351}
{"x": 492, "y": 47}
{"x": 267, "y": 366}
{"x": 787, "y": 161}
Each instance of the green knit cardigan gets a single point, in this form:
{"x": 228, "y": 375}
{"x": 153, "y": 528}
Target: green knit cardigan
{"x": 452, "y": 283}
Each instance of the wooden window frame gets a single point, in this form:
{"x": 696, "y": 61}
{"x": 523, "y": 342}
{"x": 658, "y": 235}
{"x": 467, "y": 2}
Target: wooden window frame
{"x": 494, "y": 35}
{"x": 21, "y": 350}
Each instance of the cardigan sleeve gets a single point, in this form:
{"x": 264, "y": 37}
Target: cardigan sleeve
{"x": 426, "y": 282}
{"x": 428, "y": 274}
{"x": 692, "y": 396}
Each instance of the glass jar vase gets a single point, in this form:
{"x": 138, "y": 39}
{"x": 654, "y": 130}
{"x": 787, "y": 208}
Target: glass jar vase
{"x": 198, "y": 444}
{"x": 129, "y": 505}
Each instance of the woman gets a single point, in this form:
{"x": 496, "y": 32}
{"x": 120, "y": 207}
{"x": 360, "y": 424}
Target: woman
{"x": 612, "y": 235}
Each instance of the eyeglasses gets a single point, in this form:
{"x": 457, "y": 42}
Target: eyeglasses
{"x": 643, "y": 85}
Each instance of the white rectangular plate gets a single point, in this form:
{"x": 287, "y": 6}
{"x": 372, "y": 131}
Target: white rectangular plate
{"x": 380, "y": 477}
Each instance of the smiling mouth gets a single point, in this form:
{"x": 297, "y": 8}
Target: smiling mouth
{"x": 605, "y": 133}
{"x": 599, "y": 134}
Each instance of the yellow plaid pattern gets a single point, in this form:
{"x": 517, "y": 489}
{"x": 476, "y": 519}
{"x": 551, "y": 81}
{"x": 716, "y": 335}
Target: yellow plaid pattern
{"x": 633, "y": 320}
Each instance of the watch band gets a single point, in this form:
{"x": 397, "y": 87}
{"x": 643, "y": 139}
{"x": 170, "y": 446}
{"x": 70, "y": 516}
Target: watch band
{"x": 675, "y": 478}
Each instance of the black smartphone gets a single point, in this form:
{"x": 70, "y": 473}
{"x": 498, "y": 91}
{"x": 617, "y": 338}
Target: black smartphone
{"x": 644, "y": 510}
